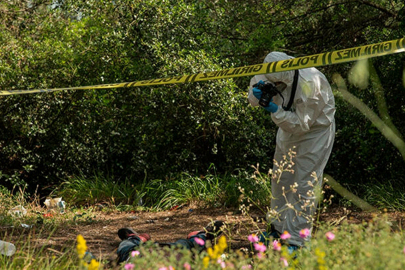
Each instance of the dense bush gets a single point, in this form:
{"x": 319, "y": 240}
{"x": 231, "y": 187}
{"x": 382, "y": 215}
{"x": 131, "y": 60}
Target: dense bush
{"x": 153, "y": 130}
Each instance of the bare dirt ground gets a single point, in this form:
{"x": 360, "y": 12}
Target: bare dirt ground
{"x": 168, "y": 226}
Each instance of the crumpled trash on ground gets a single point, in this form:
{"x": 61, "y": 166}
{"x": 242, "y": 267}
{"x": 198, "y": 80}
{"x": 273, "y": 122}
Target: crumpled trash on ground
{"x": 17, "y": 211}
{"x": 55, "y": 204}
{"x": 7, "y": 248}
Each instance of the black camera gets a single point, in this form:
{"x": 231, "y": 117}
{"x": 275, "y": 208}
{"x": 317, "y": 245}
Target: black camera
{"x": 269, "y": 90}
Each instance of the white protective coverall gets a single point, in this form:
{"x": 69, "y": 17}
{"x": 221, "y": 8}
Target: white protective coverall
{"x": 309, "y": 127}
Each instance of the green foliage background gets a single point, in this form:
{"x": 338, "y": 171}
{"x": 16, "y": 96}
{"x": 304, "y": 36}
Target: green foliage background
{"x": 156, "y": 132}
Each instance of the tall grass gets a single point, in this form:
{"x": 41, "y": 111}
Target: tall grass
{"x": 386, "y": 196}
{"x": 186, "y": 189}
{"x": 31, "y": 254}
{"x": 209, "y": 190}
{"x": 100, "y": 189}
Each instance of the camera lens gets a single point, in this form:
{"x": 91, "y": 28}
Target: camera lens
{"x": 265, "y": 99}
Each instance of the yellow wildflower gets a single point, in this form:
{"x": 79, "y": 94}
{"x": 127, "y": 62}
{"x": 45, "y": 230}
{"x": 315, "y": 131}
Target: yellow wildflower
{"x": 81, "y": 246}
{"x": 222, "y": 243}
{"x": 320, "y": 259}
{"x": 206, "y": 261}
{"x": 94, "y": 265}
{"x": 218, "y": 249}
{"x": 210, "y": 252}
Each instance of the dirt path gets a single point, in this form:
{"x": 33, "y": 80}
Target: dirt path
{"x": 167, "y": 226}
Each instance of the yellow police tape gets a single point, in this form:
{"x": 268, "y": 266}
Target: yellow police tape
{"x": 316, "y": 60}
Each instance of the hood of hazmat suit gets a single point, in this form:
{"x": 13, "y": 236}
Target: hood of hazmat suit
{"x": 314, "y": 104}
{"x": 306, "y": 132}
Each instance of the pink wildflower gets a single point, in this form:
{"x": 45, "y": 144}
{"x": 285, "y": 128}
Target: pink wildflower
{"x": 199, "y": 241}
{"x": 304, "y": 233}
{"x": 330, "y": 236}
{"x": 260, "y": 247}
{"x": 129, "y": 266}
{"x": 245, "y": 267}
{"x": 135, "y": 253}
{"x": 187, "y": 266}
{"x": 284, "y": 260}
{"x": 253, "y": 238}
{"x": 222, "y": 263}
{"x": 285, "y": 235}
{"x": 404, "y": 250}
{"x": 163, "y": 268}
{"x": 260, "y": 255}
{"x": 276, "y": 245}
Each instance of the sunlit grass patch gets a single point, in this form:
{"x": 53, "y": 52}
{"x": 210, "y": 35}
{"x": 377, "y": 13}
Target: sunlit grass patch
{"x": 100, "y": 189}
{"x": 209, "y": 190}
{"x": 35, "y": 250}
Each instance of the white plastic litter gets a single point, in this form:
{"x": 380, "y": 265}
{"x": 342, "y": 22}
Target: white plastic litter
{"x": 7, "y": 248}
{"x": 55, "y": 204}
{"x": 17, "y": 211}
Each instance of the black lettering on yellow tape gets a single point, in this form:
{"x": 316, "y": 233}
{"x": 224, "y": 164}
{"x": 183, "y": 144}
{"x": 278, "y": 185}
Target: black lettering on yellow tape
{"x": 227, "y": 73}
{"x": 302, "y": 62}
{"x": 317, "y": 60}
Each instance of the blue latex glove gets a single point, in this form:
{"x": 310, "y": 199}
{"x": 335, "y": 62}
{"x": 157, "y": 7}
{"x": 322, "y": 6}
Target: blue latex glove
{"x": 272, "y": 107}
{"x": 257, "y": 92}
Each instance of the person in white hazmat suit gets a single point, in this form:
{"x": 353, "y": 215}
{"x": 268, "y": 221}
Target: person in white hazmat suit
{"x": 307, "y": 128}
